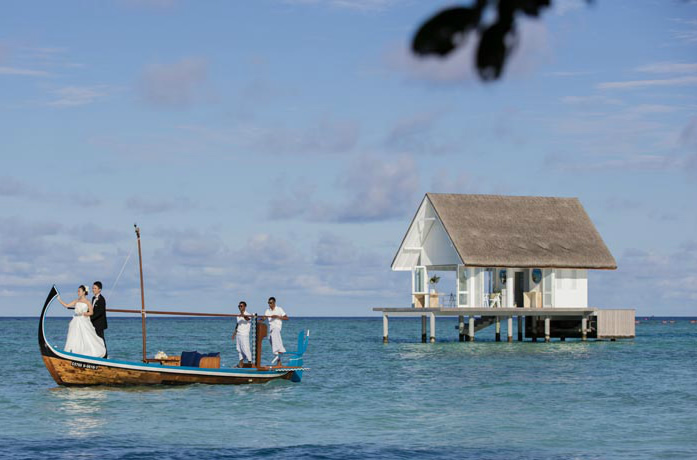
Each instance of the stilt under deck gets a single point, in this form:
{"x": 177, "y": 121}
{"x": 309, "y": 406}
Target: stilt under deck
{"x": 610, "y": 324}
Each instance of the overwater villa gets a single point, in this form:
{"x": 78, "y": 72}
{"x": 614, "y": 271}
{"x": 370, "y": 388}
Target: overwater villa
{"x": 511, "y": 256}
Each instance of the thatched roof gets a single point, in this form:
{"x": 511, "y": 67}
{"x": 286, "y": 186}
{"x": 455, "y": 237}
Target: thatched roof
{"x": 521, "y": 231}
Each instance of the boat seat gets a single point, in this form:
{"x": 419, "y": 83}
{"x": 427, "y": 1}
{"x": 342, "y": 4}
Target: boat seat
{"x": 190, "y": 358}
{"x": 210, "y": 361}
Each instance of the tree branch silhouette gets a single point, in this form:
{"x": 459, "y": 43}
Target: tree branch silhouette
{"x": 450, "y": 28}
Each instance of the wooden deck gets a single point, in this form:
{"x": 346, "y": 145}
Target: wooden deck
{"x": 581, "y": 322}
{"x": 504, "y": 312}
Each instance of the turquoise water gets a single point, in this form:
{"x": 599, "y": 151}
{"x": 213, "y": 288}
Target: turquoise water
{"x": 362, "y": 399}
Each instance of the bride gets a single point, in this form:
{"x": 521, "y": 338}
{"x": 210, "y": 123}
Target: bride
{"x": 82, "y": 338}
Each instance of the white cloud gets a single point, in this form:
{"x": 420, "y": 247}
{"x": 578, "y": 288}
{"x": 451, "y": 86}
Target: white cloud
{"x": 634, "y": 84}
{"x": 590, "y": 100}
{"x": 380, "y": 189}
{"x": 667, "y": 278}
{"x": 146, "y": 205}
{"x": 562, "y": 7}
{"x": 569, "y": 73}
{"x": 322, "y": 136}
{"x": 163, "y": 4}
{"x": 417, "y": 133}
{"x": 376, "y": 189}
{"x": 23, "y": 72}
{"x": 175, "y": 85}
{"x": 669, "y": 67}
{"x": 688, "y": 34}
{"x": 360, "y": 5}
{"x": 73, "y": 96}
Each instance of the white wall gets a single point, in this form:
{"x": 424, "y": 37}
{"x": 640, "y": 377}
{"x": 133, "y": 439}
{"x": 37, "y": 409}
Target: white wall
{"x": 427, "y": 232}
{"x": 570, "y": 288}
{"x": 438, "y": 249}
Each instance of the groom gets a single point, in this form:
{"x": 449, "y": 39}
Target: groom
{"x": 99, "y": 312}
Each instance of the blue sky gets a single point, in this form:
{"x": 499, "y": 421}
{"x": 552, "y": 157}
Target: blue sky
{"x": 281, "y": 147}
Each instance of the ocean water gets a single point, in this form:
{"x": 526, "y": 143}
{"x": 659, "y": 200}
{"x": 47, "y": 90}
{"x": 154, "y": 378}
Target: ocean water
{"x": 363, "y": 399}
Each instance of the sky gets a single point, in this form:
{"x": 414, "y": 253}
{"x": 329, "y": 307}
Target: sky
{"x": 281, "y": 148}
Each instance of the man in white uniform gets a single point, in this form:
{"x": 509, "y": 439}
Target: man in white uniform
{"x": 242, "y": 332}
{"x": 276, "y": 316}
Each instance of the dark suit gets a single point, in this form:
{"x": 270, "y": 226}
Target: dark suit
{"x": 98, "y": 317}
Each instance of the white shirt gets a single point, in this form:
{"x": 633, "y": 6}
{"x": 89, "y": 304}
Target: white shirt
{"x": 275, "y": 323}
{"x": 243, "y": 325}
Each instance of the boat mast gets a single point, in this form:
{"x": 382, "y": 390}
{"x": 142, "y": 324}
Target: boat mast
{"x": 142, "y": 291}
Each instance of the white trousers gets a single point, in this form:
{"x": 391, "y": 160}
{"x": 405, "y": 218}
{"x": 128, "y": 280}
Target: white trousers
{"x": 276, "y": 341}
{"x": 242, "y": 341}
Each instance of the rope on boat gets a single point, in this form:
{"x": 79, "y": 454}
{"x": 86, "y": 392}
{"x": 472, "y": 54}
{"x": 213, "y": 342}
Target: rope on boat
{"x": 128, "y": 257}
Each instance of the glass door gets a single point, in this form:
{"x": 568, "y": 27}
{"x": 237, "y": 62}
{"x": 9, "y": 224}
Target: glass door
{"x": 419, "y": 281}
{"x": 462, "y": 286}
{"x": 419, "y": 287}
{"x": 547, "y": 288}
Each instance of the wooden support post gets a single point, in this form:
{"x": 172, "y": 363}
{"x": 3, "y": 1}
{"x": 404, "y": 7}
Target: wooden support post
{"x": 547, "y": 333}
{"x": 423, "y": 329}
{"x": 509, "y": 328}
{"x": 461, "y": 328}
{"x": 584, "y": 326}
{"x": 520, "y": 328}
{"x": 470, "y": 338}
{"x": 433, "y": 327}
{"x": 534, "y": 328}
{"x": 498, "y": 329}
{"x": 385, "y": 328}
{"x": 261, "y": 330}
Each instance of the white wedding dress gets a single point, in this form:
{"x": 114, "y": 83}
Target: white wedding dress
{"x": 82, "y": 338}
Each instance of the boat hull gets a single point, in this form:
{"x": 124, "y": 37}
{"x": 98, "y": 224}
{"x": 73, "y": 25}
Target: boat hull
{"x": 70, "y": 369}
{"x": 79, "y": 373}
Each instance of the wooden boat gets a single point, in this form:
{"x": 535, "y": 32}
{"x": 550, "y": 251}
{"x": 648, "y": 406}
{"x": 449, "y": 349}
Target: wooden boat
{"x": 71, "y": 369}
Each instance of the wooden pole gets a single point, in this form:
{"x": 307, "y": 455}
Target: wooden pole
{"x": 547, "y": 328}
{"x": 584, "y": 329}
{"x": 520, "y": 328}
{"x": 176, "y": 313}
{"x": 509, "y": 329}
{"x": 433, "y": 327}
{"x": 260, "y": 332}
{"x": 461, "y": 327}
{"x": 385, "y": 328}
{"x": 142, "y": 294}
{"x": 423, "y": 328}
{"x": 498, "y": 329}
{"x": 534, "y": 328}
{"x": 470, "y": 338}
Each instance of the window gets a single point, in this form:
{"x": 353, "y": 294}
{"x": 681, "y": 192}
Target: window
{"x": 419, "y": 284}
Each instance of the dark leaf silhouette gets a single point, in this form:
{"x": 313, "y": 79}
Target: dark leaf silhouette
{"x": 532, "y": 7}
{"x": 445, "y": 31}
{"x": 494, "y": 47}
{"x": 448, "y": 29}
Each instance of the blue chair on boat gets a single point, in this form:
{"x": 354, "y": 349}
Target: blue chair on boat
{"x": 190, "y": 358}
{"x": 296, "y": 357}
